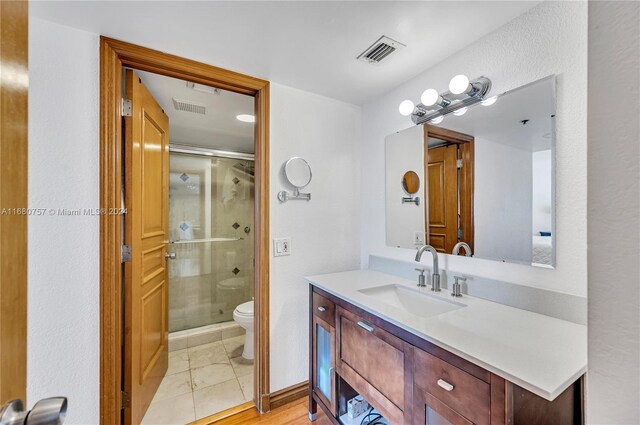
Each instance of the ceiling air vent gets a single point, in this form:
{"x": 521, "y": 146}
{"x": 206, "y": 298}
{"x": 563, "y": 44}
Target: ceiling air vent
{"x": 379, "y": 50}
{"x": 187, "y": 106}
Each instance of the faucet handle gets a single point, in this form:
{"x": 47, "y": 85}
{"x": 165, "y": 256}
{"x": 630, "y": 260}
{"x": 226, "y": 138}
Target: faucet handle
{"x": 421, "y": 279}
{"x": 456, "y": 290}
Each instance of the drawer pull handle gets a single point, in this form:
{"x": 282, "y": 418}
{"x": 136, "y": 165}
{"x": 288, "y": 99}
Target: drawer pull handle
{"x": 365, "y": 326}
{"x": 444, "y": 384}
{"x": 322, "y": 309}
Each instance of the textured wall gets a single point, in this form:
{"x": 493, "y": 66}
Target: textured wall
{"x": 324, "y": 231}
{"x": 550, "y": 38}
{"x": 63, "y": 275}
{"x": 613, "y": 392}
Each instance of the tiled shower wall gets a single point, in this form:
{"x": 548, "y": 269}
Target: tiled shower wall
{"x": 209, "y": 197}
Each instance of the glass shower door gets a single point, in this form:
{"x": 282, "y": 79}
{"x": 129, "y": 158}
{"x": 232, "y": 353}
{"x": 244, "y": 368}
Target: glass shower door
{"x": 211, "y": 210}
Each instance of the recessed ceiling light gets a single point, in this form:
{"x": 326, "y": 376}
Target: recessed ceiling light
{"x": 246, "y": 118}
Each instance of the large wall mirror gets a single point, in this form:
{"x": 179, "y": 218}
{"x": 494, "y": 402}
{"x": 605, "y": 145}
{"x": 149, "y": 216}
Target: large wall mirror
{"x": 486, "y": 178}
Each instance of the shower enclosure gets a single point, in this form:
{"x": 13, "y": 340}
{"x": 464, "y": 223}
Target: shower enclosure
{"x": 211, "y": 216}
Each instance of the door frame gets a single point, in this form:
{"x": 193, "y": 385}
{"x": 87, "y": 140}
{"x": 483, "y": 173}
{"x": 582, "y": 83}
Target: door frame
{"x": 466, "y": 144}
{"x": 14, "y": 87}
{"x": 114, "y": 55}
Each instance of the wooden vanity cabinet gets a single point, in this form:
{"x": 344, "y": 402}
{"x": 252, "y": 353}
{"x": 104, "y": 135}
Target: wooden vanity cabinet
{"x": 322, "y": 352}
{"x": 411, "y": 381}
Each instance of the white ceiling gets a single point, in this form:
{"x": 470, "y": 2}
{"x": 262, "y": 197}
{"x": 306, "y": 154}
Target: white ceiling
{"x": 502, "y": 121}
{"x": 309, "y": 45}
{"x": 218, "y": 128}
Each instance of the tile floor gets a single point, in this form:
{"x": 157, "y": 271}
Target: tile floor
{"x": 201, "y": 381}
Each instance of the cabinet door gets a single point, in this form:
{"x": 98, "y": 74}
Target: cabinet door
{"x": 324, "y": 362}
{"x": 428, "y": 410}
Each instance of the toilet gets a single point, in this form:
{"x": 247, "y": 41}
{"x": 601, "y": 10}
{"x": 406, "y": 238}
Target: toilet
{"x": 243, "y": 315}
{"x": 231, "y": 292}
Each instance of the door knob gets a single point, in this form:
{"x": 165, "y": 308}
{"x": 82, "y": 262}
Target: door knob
{"x": 170, "y": 255}
{"x": 48, "y": 411}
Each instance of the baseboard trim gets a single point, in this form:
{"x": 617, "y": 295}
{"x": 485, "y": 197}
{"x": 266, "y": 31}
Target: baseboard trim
{"x": 225, "y": 414}
{"x": 289, "y": 394}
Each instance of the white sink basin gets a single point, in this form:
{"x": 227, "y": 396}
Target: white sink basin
{"x": 412, "y": 300}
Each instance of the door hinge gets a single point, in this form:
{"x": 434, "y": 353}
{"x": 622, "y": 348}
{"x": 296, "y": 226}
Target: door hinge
{"x": 126, "y": 107}
{"x": 125, "y": 400}
{"x": 459, "y": 163}
{"x": 460, "y": 235}
{"x": 126, "y": 254}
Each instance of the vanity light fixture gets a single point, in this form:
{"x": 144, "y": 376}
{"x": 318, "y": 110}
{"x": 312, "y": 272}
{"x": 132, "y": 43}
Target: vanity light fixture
{"x": 406, "y": 108}
{"x": 461, "y": 95}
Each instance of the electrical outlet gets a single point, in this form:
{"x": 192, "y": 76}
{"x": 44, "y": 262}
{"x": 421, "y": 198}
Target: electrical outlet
{"x": 418, "y": 238}
{"x": 281, "y": 247}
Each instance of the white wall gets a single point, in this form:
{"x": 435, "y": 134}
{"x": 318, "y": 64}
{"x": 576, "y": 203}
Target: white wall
{"x": 324, "y": 231}
{"x": 63, "y": 334}
{"x": 404, "y": 152}
{"x": 550, "y": 38}
{"x": 613, "y": 391}
{"x": 63, "y": 316}
{"x": 502, "y": 202}
{"x": 542, "y": 184}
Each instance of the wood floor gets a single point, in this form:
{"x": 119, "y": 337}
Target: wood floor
{"x": 294, "y": 413}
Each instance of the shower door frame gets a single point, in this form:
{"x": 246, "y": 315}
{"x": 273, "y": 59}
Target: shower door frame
{"x": 114, "y": 55}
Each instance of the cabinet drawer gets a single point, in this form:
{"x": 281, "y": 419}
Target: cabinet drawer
{"x": 374, "y": 354}
{"x": 466, "y": 394}
{"x": 324, "y": 309}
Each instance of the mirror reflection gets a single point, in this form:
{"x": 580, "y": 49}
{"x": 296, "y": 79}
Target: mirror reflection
{"x": 488, "y": 180}
{"x": 411, "y": 182}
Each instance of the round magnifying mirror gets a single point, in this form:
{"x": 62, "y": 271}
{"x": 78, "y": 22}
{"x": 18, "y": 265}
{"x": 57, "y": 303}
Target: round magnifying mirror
{"x": 298, "y": 172}
{"x": 411, "y": 182}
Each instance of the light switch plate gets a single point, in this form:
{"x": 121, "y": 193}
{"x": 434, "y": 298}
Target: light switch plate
{"x": 418, "y": 238}
{"x": 281, "y": 247}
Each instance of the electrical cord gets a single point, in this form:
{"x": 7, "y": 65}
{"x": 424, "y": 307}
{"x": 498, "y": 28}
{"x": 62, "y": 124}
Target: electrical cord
{"x": 372, "y": 418}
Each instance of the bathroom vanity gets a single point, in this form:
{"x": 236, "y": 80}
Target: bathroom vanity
{"x": 420, "y": 357}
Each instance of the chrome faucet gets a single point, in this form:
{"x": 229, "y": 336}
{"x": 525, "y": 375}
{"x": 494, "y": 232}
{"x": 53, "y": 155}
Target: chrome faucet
{"x": 435, "y": 276}
{"x": 456, "y": 249}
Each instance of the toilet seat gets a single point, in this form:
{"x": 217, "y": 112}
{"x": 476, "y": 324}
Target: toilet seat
{"x": 245, "y": 309}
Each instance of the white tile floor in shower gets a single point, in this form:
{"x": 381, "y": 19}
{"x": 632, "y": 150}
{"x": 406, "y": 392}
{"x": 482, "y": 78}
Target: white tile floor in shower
{"x": 201, "y": 381}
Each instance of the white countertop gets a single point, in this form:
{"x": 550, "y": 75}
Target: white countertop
{"x": 539, "y": 353}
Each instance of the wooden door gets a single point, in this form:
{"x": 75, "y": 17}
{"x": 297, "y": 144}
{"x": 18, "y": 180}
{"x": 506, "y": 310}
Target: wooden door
{"x": 443, "y": 197}
{"x": 14, "y": 19}
{"x": 146, "y": 232}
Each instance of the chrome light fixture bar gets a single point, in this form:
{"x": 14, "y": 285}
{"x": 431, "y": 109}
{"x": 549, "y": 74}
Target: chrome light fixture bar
{"x": 434, "y": 106}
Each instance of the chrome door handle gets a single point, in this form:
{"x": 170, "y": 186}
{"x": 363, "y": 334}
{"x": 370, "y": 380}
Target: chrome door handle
{"x": 365, "y": 326}
{"x": 444, "y": 384}
{"x": 170, "y": 255}
{"x": 321, "y": 309}
{"x": 48, "y": 411}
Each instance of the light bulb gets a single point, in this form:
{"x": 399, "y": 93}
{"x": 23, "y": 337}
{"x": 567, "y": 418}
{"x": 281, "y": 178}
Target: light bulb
{"x": 490, "y": 101}
{"x": 406, "y": 107}
{"x": 459, "y": 84}
{"x": 429, "y": 97}
{"x": 437, "y": 120}
{"x": 460, "y": 111}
